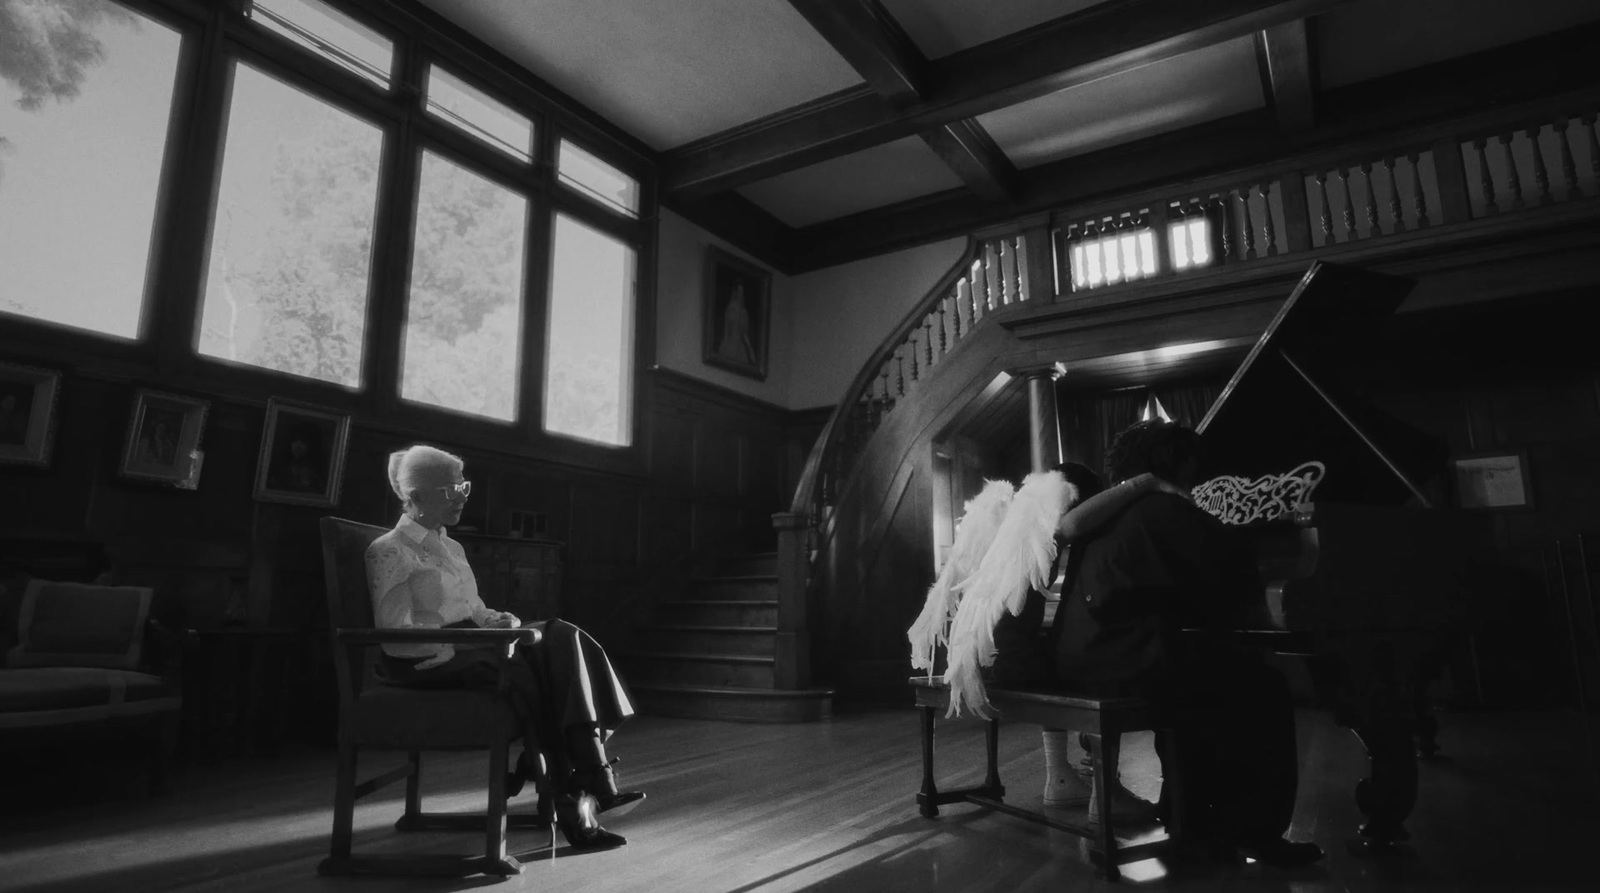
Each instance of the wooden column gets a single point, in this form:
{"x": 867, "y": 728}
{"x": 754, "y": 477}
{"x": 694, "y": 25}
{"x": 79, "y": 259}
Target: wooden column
{"x": 792, "y": 670}
{"x": 1044, "y": 429}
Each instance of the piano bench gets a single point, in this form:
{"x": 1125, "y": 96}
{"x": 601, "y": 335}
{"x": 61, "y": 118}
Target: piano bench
{"x": 1102, "y": 719}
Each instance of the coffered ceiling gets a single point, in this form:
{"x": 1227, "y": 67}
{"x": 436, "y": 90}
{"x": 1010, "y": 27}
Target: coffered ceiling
{"x": 811, "y": 128}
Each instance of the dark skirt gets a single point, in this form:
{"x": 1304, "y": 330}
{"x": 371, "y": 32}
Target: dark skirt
{"x": 565, "y": 681}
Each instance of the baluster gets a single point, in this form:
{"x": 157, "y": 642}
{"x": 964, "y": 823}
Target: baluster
{"x": 985, "y": 270}
{"x": 1325, "y": 213}
{"x": 1023, "y": 292}
{"x": 1178, "y": 230}
{"x": 1349, "y": 215}
{"x": 883, "y": 375}
{"x": 1512, "y": 178}
{"x": 1224, "y": 216}
{"x": 1569, "y": 169}
{"x": 927, "y": 338}
{"x": 1265, "y": 248}
{"x": 1008, "y": 271}
{"x": 1541, "y": 178}
{"x": 962, "y": 325}
{"x": 1594, "y": 147}
{"x": 1371, "y": 199}
{"x": 1246, "y": 239}
{"x": 1419, "y": 199}
{"x": 1399, "y": 221}
{"x": 900, "y": 373}
{"x": 1480, "y": 147}
{"x": 944, "y": 342}
{"x": 980, "y": 303}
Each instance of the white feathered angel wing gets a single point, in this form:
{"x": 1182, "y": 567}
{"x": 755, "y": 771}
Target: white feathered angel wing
{"x": 1020, "y": 559}
{"x": 980, "y": 519}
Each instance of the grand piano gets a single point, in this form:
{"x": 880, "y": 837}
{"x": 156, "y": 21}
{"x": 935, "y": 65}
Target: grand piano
{"x": 1366, "y": 576}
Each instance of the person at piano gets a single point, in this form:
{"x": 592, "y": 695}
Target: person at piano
{"x": 1135, "y": 584}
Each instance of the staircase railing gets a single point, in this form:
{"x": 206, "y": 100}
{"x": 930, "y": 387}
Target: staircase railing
{"x": 992, "y": 273}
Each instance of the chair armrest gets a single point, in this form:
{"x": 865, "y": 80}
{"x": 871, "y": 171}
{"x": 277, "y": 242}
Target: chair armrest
{"x": 456, "y": 636}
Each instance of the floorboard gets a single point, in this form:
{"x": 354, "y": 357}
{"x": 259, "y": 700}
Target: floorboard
{"x": 825, "y": 806}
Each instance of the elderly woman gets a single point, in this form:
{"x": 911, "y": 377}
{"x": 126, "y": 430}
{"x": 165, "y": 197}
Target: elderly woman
{"x": 563, "y": 690}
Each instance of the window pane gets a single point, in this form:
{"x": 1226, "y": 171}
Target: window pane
{"x": 291, "y": 239}
{"x": 85, "y": 104}
{"x": 470, "y": 109}
{"x": 464, "y": 313}
{"x": 330, "y": 34}
{"x": 596, "y": 179}
{"x": 589, "y": 375}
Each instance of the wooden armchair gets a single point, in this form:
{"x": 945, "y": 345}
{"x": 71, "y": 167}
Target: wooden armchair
{"x": 373, "y": 716}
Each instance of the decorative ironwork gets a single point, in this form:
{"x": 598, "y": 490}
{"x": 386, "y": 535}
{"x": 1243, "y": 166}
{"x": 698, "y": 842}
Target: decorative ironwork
{"x": 1237, "y": 500}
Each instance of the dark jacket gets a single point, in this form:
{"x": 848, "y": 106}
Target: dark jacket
{"x": 1162, "y": 565}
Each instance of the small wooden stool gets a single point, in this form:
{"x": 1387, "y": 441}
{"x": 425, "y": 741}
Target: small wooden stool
{"x": 1102, "y": 719}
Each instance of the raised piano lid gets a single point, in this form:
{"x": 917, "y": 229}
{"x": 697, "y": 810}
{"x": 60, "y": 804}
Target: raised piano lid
{"x": 1287, "y": 403}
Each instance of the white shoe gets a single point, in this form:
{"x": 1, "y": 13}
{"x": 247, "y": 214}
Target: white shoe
{"x": 1066, "y": 790}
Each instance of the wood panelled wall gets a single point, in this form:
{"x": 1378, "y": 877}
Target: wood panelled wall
{"x": 718, "y": 465}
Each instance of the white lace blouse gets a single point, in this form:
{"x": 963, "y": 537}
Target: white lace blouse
{"x": 420, "y": 578}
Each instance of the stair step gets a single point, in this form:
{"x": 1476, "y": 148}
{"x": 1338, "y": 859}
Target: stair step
{"x": 696, "y": 639}
{"x": 746, "y": 587}
{"x": 699, "y": 668}
{"x": 719, "y": 612}
{"x": 754, "y": 563}
{"x": 736, "y": 704}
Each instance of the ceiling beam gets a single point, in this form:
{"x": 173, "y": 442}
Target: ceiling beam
{"x": 864, "y": 33}
{"x": 1555, "y": 65}
{"x": 1088, "y": 45}
{"x": 969, "y": 151}
{"x": 1288, "y": 75}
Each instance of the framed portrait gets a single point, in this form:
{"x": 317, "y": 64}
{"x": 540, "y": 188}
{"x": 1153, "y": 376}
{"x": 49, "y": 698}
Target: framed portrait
{"x": 1492, "y": 481}
{"x": 737, "y": 314}
{"x": 27, "y": 414}
{"x": 302, "y": 454}
{"x": 163, "y": 442}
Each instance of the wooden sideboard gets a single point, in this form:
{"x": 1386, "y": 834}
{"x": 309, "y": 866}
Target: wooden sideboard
{"x": 522, "y": 576}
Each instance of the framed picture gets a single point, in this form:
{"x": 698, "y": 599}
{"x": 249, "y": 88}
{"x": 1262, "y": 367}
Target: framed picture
{"x": 27, "y": 414}
{"x": 302, "y": 454}
{"x": 1492, "y": 481}
{"x": 163, "y": 442}
{"x": 737, "y": 314}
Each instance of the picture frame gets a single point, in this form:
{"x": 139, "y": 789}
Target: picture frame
{"x": 302, "y": 454}
{"x": 163, "y": 441}
{"x": 1492, "y": 480}
{"x": 28, "y": 396}
{"x": 737, "y": 314}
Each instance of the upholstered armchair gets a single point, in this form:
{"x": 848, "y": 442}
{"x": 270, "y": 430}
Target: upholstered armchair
{"x": 378, "y": 717}
{"x": 86, "y": 661}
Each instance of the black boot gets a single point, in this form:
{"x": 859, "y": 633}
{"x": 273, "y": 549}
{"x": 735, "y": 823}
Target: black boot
{"x": 601, "y": 782}
{"x": 578, "y": 817}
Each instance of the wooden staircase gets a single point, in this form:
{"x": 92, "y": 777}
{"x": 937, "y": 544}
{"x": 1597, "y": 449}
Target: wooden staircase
{"x": 710, "y": 655}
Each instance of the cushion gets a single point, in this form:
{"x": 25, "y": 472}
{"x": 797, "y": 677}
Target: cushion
{"x": 53, "y": 695}
{"x": 389, "y": 716}
{"x": 80, "y": 625}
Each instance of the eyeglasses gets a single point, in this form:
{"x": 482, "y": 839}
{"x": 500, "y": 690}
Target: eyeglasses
{"x": 463, "y": 489}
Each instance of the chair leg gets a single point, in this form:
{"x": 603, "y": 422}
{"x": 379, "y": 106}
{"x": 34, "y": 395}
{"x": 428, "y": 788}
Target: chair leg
{"x": 495, "y": 859}
{"x": 411, "y": 819}
{"x": 1172, "y": 790}
{"x": 991, "y": 740}
{"x": 927, "y": 799}
{"x": 1103, "y": 757}
{"x": 344, "y": 804}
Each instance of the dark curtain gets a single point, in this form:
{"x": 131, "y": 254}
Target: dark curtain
{"x": 1187, "y": 403}
{"x": 1114, "y": 412}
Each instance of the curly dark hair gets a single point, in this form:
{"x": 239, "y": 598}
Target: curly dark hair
{"x": 1087, "y": 481}
{"x": 1159, "y": 447}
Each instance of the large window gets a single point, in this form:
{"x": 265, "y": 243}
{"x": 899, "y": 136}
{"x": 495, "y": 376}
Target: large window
{"x": 464, "y": 313}
{"x": 291, "y": 238}
{"x": 589, "y": 372}
{"x": 330, "y": 201}
{"x": 85, "y": 103}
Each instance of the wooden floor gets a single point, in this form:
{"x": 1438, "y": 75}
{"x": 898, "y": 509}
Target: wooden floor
{"x": 827, "y": 806}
